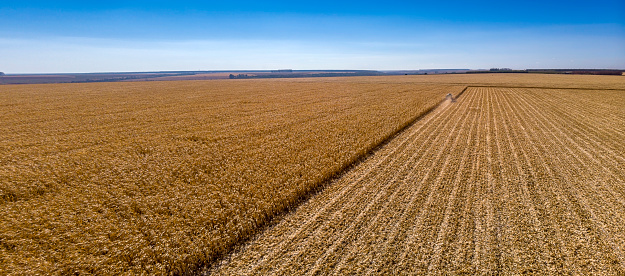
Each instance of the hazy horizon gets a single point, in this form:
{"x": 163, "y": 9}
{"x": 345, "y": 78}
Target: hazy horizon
{"x": 115, "y": 36}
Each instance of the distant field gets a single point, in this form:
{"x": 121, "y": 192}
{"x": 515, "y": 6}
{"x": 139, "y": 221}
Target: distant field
{"x": 73, "y": 78}
{"x": 528, "y": 80}
{"x": 207, "y": 76}
{"x": 508, "y": 181}
{"x": 162, "y": 177}
{"x": 174, "y": 76}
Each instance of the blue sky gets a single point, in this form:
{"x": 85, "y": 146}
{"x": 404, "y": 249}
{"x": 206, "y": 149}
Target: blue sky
{"x": 73, "y": 36}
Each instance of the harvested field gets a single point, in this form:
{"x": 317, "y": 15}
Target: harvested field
{"x": 504, "y": 181}
{"x": 162, "y": 177}
{"x": 528, "y": 81}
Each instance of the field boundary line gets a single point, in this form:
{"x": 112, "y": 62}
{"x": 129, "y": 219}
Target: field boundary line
{"x": 415, "y": 159}
{"x": 550, "y": 88}
{"x": 322, "y": 185}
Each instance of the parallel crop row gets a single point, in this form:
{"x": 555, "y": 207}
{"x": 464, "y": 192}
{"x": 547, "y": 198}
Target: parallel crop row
{"x": 504, "y": 181}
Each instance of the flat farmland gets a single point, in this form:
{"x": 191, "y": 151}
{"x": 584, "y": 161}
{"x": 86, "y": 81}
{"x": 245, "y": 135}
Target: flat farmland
{"x": 506, "y": 180}
{"x": 527, "y": 81}
{"x": 163, "y": 177}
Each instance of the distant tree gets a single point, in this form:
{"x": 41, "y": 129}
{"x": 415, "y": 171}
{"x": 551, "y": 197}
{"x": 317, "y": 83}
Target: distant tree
{"x": 1, "y": 73}
{"x": 500, "y": 69}
{"x": 231, "y": 76}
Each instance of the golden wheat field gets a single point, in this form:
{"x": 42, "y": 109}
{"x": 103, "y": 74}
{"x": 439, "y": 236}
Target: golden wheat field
{"x": 524, "y": 173}
{"x": 505, "y": 180}
{"x": 163, "y": 177}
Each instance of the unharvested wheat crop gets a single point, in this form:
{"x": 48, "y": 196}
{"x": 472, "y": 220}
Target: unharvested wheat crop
{"x": 162, "y": 177}
{"x": 504, "y": 181}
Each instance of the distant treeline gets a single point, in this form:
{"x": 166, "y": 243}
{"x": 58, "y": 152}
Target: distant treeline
{"x": 114, "y": 79}
{"x": 83, "y": 77}
{"x": 578, "y": 71}
{"x": 496, "y": 70}
{"x": 552, "y": 71}
{"x": 306, "y": 75}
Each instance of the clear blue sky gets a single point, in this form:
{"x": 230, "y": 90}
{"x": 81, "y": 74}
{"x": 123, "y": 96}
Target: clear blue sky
{"x": 104, "y": 36}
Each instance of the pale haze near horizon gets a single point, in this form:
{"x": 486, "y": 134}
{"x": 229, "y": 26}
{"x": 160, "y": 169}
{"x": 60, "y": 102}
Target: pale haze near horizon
{"x": 70, "y": 37}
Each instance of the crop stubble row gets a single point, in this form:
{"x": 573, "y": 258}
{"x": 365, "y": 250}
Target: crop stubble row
{"x": 506, "y": 180}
